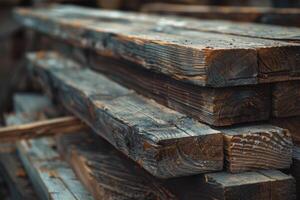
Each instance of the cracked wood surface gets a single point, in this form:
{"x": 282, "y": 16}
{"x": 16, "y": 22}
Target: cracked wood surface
{"x": 182, "y": 52}
{"x": 257, "y": 147}
{"x": 106, "y": 173}
{"x": 164, "y": 142}
{"x": 214, "y": 106}
{"x": 110, "y": 175}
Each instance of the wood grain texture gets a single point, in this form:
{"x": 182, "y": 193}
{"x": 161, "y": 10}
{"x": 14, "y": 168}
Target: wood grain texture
{"x": 57, "y": 181}
{"x": 51, "y": 177}
{"x": 266, "y": 15}
{"x": 217, "y": 26}
{"x": 28, "y": 108}
{"x": 257, "y": 147}
{"x": 262, "y": 185}
{"x": 106, "y": 173}
{"x": 286, "y": 99}
{"x": 214, "y": 106}
{"x": 164, "y": 142}
{"x": 198, "y": 57}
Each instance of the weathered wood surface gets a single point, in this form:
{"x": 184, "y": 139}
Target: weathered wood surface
{"x": 262, "y": 185}
{"x": 214, "y": 106}
{"x": 286, "y": 99}
{"x": 198, "y": 57}
{"x": 51, "y": 177}
{"x": 295, "y": 170}
{"x": 15, "y": 177}
{"x": 164, "y": 142}
{"x": 10, "y": 165}
{"x": 110, "y": 175}
{"x": 106, "y": 173}
{"x": 257, "y": 147}
{"x": 62, "y": 125}
{"x": 218, "y": 26}
{"x": 266, "y": 15}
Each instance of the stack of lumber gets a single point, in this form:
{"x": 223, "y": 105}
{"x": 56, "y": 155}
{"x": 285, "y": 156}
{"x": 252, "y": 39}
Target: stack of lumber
{"x": 266, "y": 15}
{"x": 176, "y": 109}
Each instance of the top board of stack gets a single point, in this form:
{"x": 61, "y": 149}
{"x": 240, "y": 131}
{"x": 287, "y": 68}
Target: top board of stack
{"x": 178, "y": 96}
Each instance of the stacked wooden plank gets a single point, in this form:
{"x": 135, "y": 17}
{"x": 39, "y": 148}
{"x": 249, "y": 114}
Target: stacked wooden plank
{"x": 49, "y": 176}
{"x": 174, "y": 96}
{"x": 266, "y": 15}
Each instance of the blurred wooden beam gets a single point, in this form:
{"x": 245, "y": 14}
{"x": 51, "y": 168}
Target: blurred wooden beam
{"x": 60, "y": 125}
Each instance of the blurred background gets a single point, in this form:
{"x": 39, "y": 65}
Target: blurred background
{"x": 15, "y": 41}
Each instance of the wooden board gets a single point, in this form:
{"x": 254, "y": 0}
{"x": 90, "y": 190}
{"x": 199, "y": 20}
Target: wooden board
{"x": 217, "y": 26}
{"x": 262, "y": 185}
{"x": 51, "y": 177}
{"x": 247, "y": 143}
{"x": 106, "y": 173}
{"x": 266, "y": 15}
{"x": 15, "y": 176}
{"x": 214, "y": 106}
{"x": 257, "y": 147}
{"x": 164, "y": 142}
{"x": 286, "y": 99}
{"x": 201, "y": 58}
{"x": 10, "y": 165}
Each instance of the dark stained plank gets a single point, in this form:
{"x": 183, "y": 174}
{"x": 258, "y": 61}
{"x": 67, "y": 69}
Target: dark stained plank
{"x": 214, "y": 106}
{"x": 266, "y": 15}
{"x": 201, "y": 58}
{"x": 51, "y": 177}
{"x": 106, "y": 173}
{"x": 262, "y": 185}
{"x": 110, "y": 175}
{"x": 164, "y": 142}
{"x": 286, "y": 99}
{"x": 257, "y": 147}
{"x": 15, "y": 176}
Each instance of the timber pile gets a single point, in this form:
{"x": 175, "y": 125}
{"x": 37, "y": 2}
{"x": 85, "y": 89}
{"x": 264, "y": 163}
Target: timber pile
{"x": 265, "y": 15}
{"x": 164, "y": 99}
